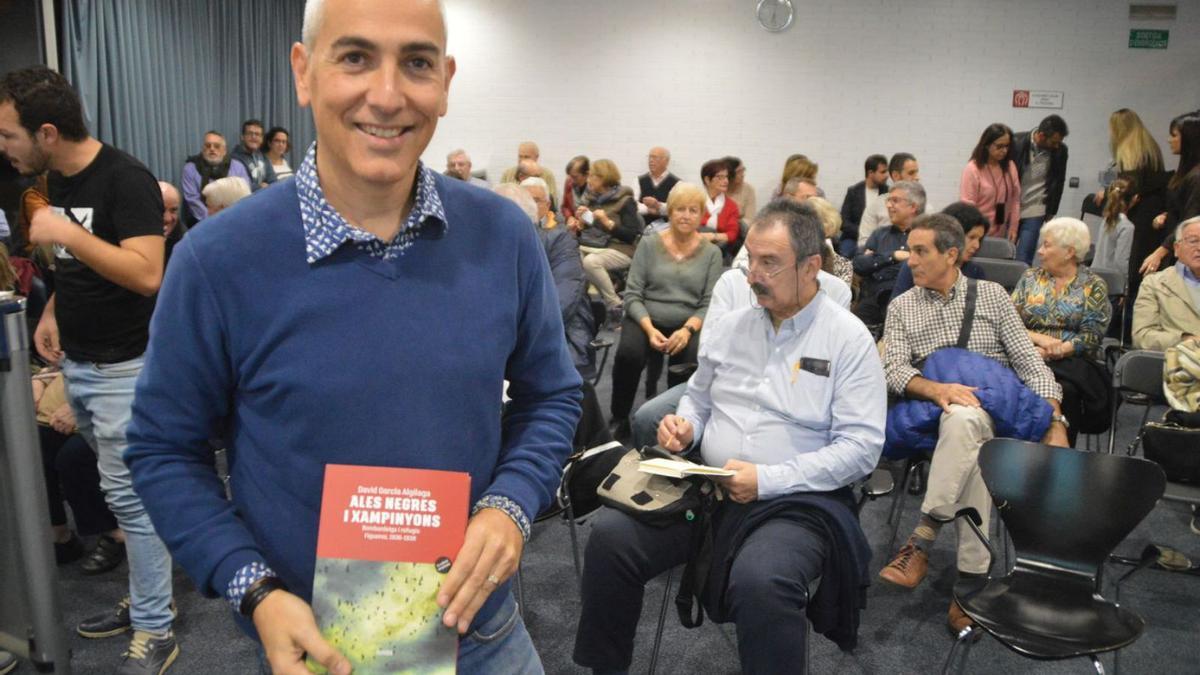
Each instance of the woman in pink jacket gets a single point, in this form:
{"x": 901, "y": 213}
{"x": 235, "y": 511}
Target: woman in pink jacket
{"x": 990, "y": 182}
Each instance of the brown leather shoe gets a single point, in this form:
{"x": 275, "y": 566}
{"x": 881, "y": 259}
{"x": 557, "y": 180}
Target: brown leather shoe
{"x": 958, "y": 621}
{"x": 908, "y": 568}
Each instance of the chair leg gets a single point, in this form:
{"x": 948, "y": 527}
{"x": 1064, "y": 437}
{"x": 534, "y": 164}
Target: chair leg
{"x": 898, "y": 503}
{"x": 1100, "y": 666}
{"x": 969, "y": 636}
{"x": 1112, "y": 423}
{"x": 963, "y": 637}
{"x": 807, "y": 645}
{"x": 574, "y": 546}
{"x": 662, "y": 619}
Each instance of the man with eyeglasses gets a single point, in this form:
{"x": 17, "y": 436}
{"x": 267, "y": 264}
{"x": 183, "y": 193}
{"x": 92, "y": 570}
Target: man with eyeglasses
{"x": 655, "y": 185}
{"x": 732, "y": 292}
{"x": 1167, "y": 309}
{"x": 789, "y": 396}
{"x": 213, "y": 162}
{"x": 886, "y": 250}
{"x": 249, "y": 153}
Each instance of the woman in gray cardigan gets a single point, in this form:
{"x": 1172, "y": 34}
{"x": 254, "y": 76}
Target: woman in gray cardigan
{"x": 670, "y": 283}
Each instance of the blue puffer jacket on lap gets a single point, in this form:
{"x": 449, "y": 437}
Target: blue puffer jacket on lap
{"x": 1016, "y": 411}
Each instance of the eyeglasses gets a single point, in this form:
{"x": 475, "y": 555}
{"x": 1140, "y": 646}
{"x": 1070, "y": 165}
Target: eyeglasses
{"x": 769, "y": 270}
{"x": 214, "y": 146}
{"x": 1193, "y": 242}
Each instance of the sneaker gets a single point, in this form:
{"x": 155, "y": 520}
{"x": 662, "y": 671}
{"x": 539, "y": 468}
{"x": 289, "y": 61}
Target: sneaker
{"x": 108, "y": 624}
{"x": 108, "y": 554}
{"x": 149, "y": 654}
{"x": 112, "y": 622}
{"x": 7, "y": 662}
{"x": 909, "y": 566}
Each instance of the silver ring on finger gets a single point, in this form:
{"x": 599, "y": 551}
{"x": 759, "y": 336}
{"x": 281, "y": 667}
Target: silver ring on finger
{"x": 493, "y": 580}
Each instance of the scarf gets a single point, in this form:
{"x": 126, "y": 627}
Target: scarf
{"x": 210, "y": 172}
{"x": 714, "y": 208}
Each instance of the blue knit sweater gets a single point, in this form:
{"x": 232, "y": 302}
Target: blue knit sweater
{"x": 350, "y": 360}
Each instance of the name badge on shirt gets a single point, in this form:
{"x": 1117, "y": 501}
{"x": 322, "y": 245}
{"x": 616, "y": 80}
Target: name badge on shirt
{"x": 815, "y": 366}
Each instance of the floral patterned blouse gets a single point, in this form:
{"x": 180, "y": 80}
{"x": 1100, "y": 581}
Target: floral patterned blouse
{"x": 1079, "y": 314}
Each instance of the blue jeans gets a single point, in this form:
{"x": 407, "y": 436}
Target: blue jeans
{"x": 499, "y": 645}
{"x": 646, "y": 419}
{"x": 1028, "y": 231}
{"x": 101, "y": 395}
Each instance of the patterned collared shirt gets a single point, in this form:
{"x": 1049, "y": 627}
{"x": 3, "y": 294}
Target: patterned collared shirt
{"x": 325, "y": 229}
{"x": 1079, "y": 313}
{"x": 921, "y": 321}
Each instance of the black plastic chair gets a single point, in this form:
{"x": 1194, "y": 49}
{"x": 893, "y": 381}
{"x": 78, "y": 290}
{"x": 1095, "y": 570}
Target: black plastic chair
{"x": 1065, "y": 511}
{"x": 1117, "y": 287}
{"x": 997, "y": 248}
{"x": 1004, "y": 272}
{"x": 1137, "y": 379}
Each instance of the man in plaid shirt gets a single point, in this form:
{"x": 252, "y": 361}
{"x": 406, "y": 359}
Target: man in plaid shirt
{"x": 927, "y": 318}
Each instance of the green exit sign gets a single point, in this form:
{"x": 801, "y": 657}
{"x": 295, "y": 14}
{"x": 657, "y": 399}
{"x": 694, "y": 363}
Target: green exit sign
{"x": 1147, "y": 39}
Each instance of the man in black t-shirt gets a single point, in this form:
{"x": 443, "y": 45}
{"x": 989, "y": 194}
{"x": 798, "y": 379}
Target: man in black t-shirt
{"x": 105, "y": 222}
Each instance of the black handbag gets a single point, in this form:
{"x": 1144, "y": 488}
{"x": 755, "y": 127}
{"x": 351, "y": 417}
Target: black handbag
{"x": 1174, "y": 447}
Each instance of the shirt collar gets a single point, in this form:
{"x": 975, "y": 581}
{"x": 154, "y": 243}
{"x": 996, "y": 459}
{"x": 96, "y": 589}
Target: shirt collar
{"x": 325, "y": 230}
{"x": 1186, "y": 274}
{"x": 797, "y": 323}
{"x": 959, "y": 285}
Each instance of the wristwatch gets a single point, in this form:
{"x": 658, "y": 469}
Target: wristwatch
{"x": 1062, "y": 419}
{"x": 690, "y": 329}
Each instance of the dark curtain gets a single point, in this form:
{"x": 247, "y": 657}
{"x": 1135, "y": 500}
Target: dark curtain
{"x": 155, "y": 75}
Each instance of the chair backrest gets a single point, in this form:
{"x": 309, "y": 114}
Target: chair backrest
{"x": 1141, "y": 371}
{"x": 996, "y": 247}
{"x": 1115, "y": 279}
{"x": 1004, "y": 272}
{"x": 1067, "y": 509}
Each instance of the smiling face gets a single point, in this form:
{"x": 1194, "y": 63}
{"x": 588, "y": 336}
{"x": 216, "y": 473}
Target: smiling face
{"x": 252, "y": 137}
{"x": 718, "y": 184}
{"x": 1175, "y": 141}
{"x": 377, "y": 78}
{"x": 1187, "y": 247}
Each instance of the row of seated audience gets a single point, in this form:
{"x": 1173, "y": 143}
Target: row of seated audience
{"x": 671, "y": 241}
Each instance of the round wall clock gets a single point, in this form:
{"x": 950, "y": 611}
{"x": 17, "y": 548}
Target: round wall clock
{"x": 775, "y": 15}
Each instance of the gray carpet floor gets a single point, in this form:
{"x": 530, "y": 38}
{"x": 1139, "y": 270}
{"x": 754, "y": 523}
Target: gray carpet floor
{"x": 902, "y": 631}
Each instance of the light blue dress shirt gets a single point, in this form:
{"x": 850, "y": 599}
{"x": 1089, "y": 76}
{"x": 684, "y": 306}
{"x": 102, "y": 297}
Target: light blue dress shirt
{"x": 755, "y": 397}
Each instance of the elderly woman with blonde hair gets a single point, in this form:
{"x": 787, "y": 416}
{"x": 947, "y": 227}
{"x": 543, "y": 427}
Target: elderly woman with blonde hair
{"x": 666, "y": 297}
{"x": 1065, "y": 309}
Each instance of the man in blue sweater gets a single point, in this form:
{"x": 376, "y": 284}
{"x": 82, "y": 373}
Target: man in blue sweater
{"x": 370, "y": 316}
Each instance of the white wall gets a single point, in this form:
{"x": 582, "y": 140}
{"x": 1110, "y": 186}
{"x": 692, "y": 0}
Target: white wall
{"x": 849, "y": 78}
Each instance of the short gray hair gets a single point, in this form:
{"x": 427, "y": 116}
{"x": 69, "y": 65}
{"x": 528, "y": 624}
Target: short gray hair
{"x": 455, "y": 153}
{"x": 1179, "y": 230}
{"x": 314, "y": 12}
{"x": 947, "y": 232}
{"x": 915, "y": 192}
{"x": 1069, "y": 233}
{"x": 517, "y": 195}
{"x": 802, "y": 223}
{"x": 226, "y": 191}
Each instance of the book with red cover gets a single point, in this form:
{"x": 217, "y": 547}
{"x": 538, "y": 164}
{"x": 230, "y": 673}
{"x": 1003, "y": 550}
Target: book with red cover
{"x": 388, "y": 536}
